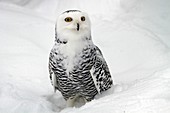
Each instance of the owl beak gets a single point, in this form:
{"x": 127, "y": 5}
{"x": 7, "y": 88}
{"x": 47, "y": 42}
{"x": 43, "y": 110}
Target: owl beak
{"x": 78, "y": 26}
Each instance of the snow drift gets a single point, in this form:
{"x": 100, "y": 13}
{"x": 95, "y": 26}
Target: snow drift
{"x": 133, "y": 36}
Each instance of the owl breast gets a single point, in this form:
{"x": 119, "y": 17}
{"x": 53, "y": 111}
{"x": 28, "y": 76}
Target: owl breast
{"x": 72, "y": 53}
{"x": 74, "y": 76}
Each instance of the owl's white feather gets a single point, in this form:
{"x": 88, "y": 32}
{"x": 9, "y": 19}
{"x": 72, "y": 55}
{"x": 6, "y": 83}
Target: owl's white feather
{"x": 77, "y": 67}
{"x": 67, "y": 31}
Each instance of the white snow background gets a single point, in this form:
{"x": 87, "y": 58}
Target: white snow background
{"x": 134, "y": 36}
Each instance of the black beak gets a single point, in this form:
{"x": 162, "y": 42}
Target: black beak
{"x": 78, "y": 26}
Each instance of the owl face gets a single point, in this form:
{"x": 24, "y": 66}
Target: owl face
{"x": 73, "y": 21}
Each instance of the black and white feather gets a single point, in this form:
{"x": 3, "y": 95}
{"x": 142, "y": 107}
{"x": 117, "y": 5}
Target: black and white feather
{"x": 76, "y": 66}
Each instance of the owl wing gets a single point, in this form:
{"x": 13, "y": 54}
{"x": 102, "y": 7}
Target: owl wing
{"x": 52, "y": 67}
{"x": 100, "y": 72}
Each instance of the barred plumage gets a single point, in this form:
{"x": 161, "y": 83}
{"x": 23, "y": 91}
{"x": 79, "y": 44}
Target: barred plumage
{"x": 82, "y": 72}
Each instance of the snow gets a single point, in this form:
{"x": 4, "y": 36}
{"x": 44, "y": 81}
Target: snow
{"x": 132, "y": 34}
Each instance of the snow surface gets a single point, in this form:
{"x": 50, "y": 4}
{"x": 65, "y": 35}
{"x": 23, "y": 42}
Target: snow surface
{"x": 132, "y": 34}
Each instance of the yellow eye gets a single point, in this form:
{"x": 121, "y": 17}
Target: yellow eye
{"x": 83, "y": 18}
{"x": 68, "y": 19}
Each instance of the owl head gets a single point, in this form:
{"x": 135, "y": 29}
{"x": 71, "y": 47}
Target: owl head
{"x": 73, "y": 22}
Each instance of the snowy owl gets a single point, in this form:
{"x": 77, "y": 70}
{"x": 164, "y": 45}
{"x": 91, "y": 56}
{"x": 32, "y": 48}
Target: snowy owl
{"x": 76, "y": 66}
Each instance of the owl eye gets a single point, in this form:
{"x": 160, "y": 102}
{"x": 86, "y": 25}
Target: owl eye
{"x": 68, "y": 19}
{"x": 83, "y": 18}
